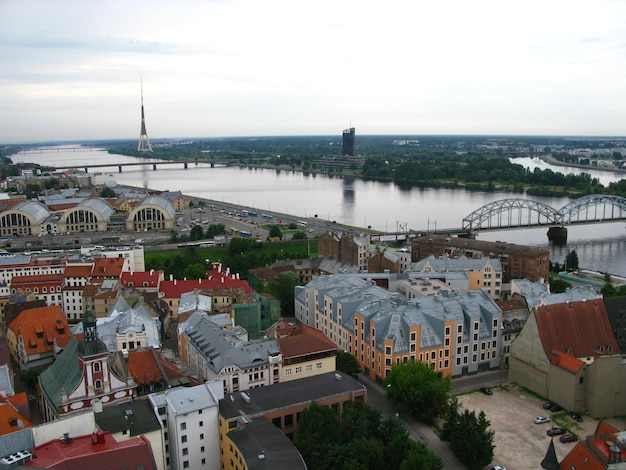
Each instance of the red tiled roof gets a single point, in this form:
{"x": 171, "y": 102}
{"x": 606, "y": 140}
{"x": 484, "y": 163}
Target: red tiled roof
{"x": 86, "y": 452}
{"x": 304, "y": 340}
{"x": 581, "y": 457}
{"x": 174, "y": 289}
{"x": 49, "y": 322}
{"x": 107, "y": 267}
{"x": 37, "y": 278}
{"x": 78, "y": 270}
{"x": 143, "y": 367}
{"x": 11, "y": 420}
{"x": 142, "y": 278}
{"x": 580, "y": 327}
{"x": 566, "y": 361}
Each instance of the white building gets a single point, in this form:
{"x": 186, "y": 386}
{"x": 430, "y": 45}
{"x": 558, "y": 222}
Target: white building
{"x": 190, "y": 416}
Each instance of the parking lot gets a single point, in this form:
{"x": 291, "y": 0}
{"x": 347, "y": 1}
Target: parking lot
{"x": 521, "y": 444}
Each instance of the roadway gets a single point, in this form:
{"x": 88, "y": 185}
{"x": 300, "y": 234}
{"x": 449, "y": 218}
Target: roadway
{"x": 377, "y": 398}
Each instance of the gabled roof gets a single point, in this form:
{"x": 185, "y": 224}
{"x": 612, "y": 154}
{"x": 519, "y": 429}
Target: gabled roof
{"x": 78, "y": 270}
{"x": 304, "y": 340}
{"x": 11, "y": 420}
{"x": 581, "y": 329}
{"x": 616, "y": 311}
{"x": 41, "y": 327}
{"x": 174, "y": 289}
{"x": 108, "y": 267}
{"x": 143, "y": 366}
{"x": 566, "y": 361}
{"x": 592, "y": 453}
{"x": 63, "y": 376}
{"x": 146, "y": 279}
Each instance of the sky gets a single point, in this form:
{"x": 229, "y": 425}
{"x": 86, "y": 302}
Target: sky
{"x": 74, "y": 69}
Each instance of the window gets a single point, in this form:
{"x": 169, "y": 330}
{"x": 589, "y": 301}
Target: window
{"x": 185, "y": 451}
{"x": 98, "y": 384}
{"x": 183, "y": 426}
{"x": 318, "y": 365}
{"x": 298, "y": 370}
{"x": 202, "y": 437}
{"x": 186, "y": 464}
{"x": 201, "y": 423}
{"x": 201, "y": 448}
{"x": 96, "y": 367}
{"x": 183, "y": 438}
{"x": 287, "y": 372}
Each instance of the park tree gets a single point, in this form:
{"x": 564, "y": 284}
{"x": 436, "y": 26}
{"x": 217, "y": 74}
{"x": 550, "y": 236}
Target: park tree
{"x": 347, "y": 363}
{"x": 317, "y": 428}
{"x": 196, "y": 233}
{"x": 107, "y": 192}
{"x": 571, "y": 260}
{"x": 275, "y": 232}
{"x": 469, "y": 435}
{"x": 283, "y": 290}
{"x": 423, "y": 392}
{"x": 195, "y": 271}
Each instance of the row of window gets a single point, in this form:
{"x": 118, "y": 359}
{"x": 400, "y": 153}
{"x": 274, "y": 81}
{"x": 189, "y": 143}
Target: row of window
{"x": 298, "y": 370}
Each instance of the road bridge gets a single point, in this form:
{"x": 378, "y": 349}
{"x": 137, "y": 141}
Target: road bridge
{"x": 521, "y": 213}
{"x": 154, "y": 163}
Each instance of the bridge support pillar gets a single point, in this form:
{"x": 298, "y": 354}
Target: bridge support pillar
{"x": 185, "y": 165}
{"x": 154, "y": 166}
{"x": 557, "y": 235}
{"x": 212, "y": 165}
{"x": 119, "y": 168}
{"x": 86, "y": 170}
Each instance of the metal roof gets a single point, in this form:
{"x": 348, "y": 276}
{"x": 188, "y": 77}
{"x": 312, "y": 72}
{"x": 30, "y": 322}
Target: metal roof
{"x": 35, "y": 209}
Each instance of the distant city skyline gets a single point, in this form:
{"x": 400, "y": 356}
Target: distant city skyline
{"x": 72, "y": 70}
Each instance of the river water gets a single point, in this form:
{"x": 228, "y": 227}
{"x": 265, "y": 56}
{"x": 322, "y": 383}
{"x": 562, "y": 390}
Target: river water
{"x": 351, "y": 201}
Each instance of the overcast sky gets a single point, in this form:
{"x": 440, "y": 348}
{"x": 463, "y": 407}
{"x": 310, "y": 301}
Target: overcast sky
{"x": 73, "y": 69}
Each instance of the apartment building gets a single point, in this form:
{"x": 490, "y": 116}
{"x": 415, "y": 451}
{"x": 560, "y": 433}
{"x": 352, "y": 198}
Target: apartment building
{"x": 456, "y": 333}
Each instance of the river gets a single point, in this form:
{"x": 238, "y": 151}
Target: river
{"x": 352, "y": 201}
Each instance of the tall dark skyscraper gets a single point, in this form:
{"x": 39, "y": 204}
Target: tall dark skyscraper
{"x": 348, "y": 141}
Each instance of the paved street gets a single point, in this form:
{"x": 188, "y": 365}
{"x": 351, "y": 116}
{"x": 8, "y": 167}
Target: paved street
{"x": 418, "y": 431}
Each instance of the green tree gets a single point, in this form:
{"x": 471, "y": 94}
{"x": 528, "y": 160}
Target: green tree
{"x": 107, "y": 192}
{"x": 29, "y": 378}
{"x": 418, "y": 388}
{"x": 469, "y": 435}
{"x": 571, "y": 260}
{"x": 419, "y": 457}
{"x": 347, "y": 363}
{"x": 195, "y": 271}
{"x": 300, "y": 235}
{"x": 196, "y": 233}
{"x": 275, "y": 232}
{"x": 283, "y": 290}
{"x": 558, "y": 285}
{"x": 317, "y": 428}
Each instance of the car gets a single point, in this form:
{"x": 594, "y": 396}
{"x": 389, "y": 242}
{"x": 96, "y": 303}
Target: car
{"x": 555, "y": 431}
{"x": 575, "y": 416}
{"x": 552, "y": 407}
{"x": 542, "y": 419}
{"x": 486, "y": 391}
{"x": 565, "y": 438}
{"x": 498, "y": 467}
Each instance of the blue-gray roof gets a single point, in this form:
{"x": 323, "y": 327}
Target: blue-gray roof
{"x": 63, "y": 376}
{"x": 160, "y": 202}
{"x": 35, "y": 209}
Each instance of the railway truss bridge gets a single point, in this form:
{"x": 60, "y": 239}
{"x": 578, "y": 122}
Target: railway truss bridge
{"x": 521, "y": 213}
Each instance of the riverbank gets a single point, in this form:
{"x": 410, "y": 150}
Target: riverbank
{"x": 553, "y": 161}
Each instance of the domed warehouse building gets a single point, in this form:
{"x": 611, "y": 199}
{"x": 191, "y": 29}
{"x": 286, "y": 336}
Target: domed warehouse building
{"x": 26, "y": 218}
{"x": 152, "y": 213}
{"x": 92, "y": 215}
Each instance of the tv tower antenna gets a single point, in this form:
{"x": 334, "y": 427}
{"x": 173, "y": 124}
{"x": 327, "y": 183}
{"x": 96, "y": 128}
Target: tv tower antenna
{"x": 144, "y": 142}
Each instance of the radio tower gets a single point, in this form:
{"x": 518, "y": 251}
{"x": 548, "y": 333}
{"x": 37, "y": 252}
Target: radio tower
{"x": 144, "y": 142}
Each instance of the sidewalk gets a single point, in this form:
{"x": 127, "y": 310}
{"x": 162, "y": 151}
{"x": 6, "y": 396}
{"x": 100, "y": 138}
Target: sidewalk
{"x": 376, "y": 398}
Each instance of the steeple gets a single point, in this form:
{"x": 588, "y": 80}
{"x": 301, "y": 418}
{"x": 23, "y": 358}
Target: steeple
{"x": 144, "y": 142}
{"x": 550, "y": 462}
{"x": 91, "y": 344}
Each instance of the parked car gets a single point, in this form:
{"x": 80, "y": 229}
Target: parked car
{"x": 552, "y": 407}
{"x": 486, "y": 391}
{"x": 556, "y": 431}
{"x": 498, "y": 467}
{"x": 568, "y": 438}
{"x": 542, "y": 419}
{"x": 575, "y": 416}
